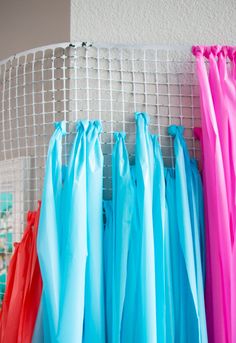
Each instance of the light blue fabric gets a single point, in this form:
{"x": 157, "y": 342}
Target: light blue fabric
{"x": 123, "y": 208}
{"x": 163, "y": 294}
{"x": 94, "y": 320}
{"x": 195, "y": 192}
{"x": 140, "y": 277}
{"x": 48, "y": 239}
{"x": 189, "y": 232}
{"x": 132, "y": 304}
{"x": 74, "y": 247}
{"x": 173, "y": 261}
{"x": 108, "y": 258}
{"x": 144, "y": 164}
{"x": 38, "y": 335}
{"x": 82, "y": 291}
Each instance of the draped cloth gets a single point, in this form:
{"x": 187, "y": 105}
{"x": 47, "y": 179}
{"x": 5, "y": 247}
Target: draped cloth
{"x": 137, "y": 276}
{"x": 216, "y": 70}
{"x": 70, "y": 239}
{"x": 23, "y": 289}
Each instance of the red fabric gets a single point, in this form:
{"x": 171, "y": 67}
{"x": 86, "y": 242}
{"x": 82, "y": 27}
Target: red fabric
{"x": 23, "y": 289}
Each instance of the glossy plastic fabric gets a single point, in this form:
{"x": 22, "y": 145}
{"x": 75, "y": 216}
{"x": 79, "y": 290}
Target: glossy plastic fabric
{"x": 174, "y": 262}
{"x": 24, "y": 287}
{"x": 48, "y": 234}
{"x": 189, "y": 226}
{"x": 144, "y": 164}
{"x": 123, "y": 207}
{"x": 152, "y": 242}
{"x": 108, "y": 253}
{"x": 162, "y": 272}
{"x": 218, "y": 110}
{"x": 81, "y": 311}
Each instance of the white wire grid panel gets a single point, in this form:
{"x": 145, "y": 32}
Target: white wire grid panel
{"x": 71, "y": 82}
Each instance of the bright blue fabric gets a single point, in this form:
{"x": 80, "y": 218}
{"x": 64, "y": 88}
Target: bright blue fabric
{"x": 123, "y": 207}
{"x": 140, "y": 277}
{"x": 189, "y": 232}
{"x": 94, "y": 320}
{"x": 74, "y": 248}
{"x": 48, "y": 239}
{"x": 173, "y": 260}
{"x": 82, "y": 315}
{"x": 164, "y": 317}
{"x": 108, "y": 258}
{"x": 38, "y": 335}
{"x": 132, "y": 304}
{"x": 144, "y": 164}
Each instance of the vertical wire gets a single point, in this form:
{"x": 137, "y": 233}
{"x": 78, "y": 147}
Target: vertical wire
{"x": 145, "y": 80}
{"x": 110, "y": 89}
{"x": 34, "y": 127}
{"x": 157, "y": 92}
{"x": 169, "y": 114}
{"x": 3, "y": 113}
{"x": 87, "y": 83}
{"x": 53, "y": 87}
{"x": 64, "y": 84}
{"x": 24, "y": 106}
{"x": 122, "y": 89}
{"x": 9, "y": 110}
{"x": 99, "y": 88}
{"x": 134, "y": 85}
{"x": 192, "y": 118}
{"x": 43, "y": 109}
{"x": 76, "y": 82}
{"x": 17, "y": 108}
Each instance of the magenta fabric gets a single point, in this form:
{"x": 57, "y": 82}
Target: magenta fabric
{"x": 217, "y": 80}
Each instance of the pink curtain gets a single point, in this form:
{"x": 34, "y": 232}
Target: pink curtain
{"x": 216, "y": 70}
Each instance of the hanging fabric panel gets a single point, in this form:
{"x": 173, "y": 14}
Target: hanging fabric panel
{"x": 48, "y": 241}
{"x": 24, "y": 286}
{"x": 218, "y": 99}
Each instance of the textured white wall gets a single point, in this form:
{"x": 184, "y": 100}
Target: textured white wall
{"x": 26, "y": 24}
{"x": 154, "y": 21}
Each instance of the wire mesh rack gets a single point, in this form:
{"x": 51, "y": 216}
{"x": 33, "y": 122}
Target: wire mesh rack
{"x": 84, "y": 81}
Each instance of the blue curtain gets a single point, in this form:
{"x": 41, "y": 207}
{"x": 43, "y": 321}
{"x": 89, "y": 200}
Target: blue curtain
{"x": 130, "y": 269}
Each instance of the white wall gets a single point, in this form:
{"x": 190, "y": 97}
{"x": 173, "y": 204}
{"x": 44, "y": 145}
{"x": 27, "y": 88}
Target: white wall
{"x": 25, "y": 24}
{"x": 154, "y": 21}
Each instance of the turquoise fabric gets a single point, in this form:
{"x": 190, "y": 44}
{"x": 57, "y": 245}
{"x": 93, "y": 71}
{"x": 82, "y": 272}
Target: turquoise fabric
{"x": 144, "y": 168}
{"x": 123, "y": 207}
{"x": 81, "y": 315}
{"x": 48, "y": 237}
{"x": 188, "y": 223}
{"x": 108, "y": 258}
{"x": 130, "y": 269}
{"x": 164, "y": 317}
{"x": 74, "y": 249}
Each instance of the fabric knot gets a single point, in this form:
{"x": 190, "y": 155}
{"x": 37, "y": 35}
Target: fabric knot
{"x": 216, "y": 49}
{"x": 98, "y": 125}
{"x": 119, "y": 135}
{"x": 198, "y": 50}
{"x": 62, "y": 126}
{"x": 224, "y": 51}
{"x": 207, "y": 51}
{"x": 174, "y": 129}
{"x": 197, "y": 131}
{"x": 82, "y": 125}
{"x": 144, "y": 115}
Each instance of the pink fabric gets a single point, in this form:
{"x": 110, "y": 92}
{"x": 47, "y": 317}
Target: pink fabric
{"x": 218, "y": 107}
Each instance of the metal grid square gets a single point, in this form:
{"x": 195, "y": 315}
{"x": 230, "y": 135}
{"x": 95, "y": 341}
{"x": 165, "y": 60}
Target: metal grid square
{"x": 83, "y": 81}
